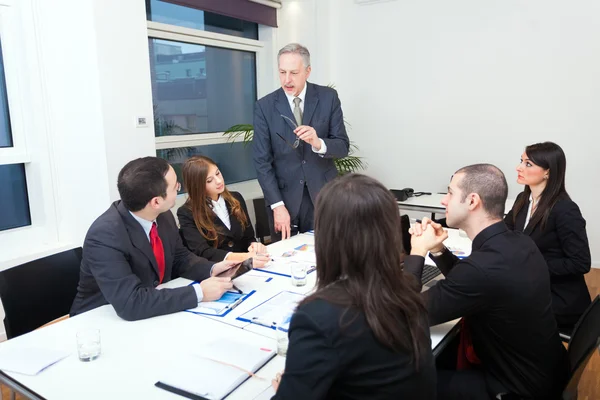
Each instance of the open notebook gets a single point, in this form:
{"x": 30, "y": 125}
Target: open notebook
{"x": 216, "y": 369}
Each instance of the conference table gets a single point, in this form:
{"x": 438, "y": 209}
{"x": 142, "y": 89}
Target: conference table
{"x": 432, "y": 204}
{"x": 135, "y": 353}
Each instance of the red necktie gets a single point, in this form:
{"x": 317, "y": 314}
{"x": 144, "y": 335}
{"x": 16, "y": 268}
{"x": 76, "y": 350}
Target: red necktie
{"x": 466, "y": 357}
{"x": 158, "y": 250}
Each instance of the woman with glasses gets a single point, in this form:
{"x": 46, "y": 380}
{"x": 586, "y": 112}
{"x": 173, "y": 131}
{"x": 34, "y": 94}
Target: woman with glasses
{"x": 363, "y": 334}
{"x": 546, "y": 213}
{"x": 214, "y": 222}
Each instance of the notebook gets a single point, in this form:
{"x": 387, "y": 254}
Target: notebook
{"x": 216, "y": 369}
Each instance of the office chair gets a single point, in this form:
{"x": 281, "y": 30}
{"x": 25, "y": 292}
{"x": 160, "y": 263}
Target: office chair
{"x": 262, "y": 220}
{"x": 584, "y": 341}
{"x": 39, "y": 291}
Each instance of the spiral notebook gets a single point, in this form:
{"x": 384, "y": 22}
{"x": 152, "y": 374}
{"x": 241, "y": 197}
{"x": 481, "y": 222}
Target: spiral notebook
{"x": 215, "y": 370}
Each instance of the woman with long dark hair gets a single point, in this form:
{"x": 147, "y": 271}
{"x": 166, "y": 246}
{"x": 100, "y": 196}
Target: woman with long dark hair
{"x": 214, "y": 222}
{"x": 363, "y": 334}
{"x": 546, "y": 213}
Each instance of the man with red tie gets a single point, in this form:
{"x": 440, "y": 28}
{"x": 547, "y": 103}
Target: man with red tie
{"x": 135, "y": 246}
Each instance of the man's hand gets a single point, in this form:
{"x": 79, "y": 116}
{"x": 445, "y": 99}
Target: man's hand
{"x": 309, "y": 135}
{"x": 258, "y": 248}
{"x": 281, "y": 216}
{"x": 213, "y": 288}
{"x": 223, "y": 266}
{"x": 427, "y": 236}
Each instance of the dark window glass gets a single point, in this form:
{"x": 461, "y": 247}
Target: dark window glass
{"x": 173, "y": 14}
{"x": 14, "y": 211}
{"x": 234, "y": 160}
{"x": 200, "y": 89}
{"x": 5, "y": 131}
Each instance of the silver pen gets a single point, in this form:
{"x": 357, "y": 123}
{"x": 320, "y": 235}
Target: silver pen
{"x": 236, "y": 303}
{"x": 256, "y": 320}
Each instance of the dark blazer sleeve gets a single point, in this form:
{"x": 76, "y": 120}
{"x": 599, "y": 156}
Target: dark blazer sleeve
{"x": 311, "y": 363}
{"x": 337, "y": 141}
{"x": 248, "y": 236}
{"x": 263, "y": 157}
{"x": 194, "y": 239}
{"x": 570, "y": 230}
{"x": 131, "y": 299}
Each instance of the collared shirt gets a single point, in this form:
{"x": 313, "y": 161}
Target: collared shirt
{"x": 528, "y": 217}
{"x": 220, "y": 208}
{"x": 147, "y": 226}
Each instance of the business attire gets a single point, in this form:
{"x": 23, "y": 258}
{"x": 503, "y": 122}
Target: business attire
{"x": 294, "y": 176}
{"x": 564, "y": 244}
{"x": 327, "y": 361}
{"x": 231, "y": 236}
{"x": 503, "y": 292}
{"x": 119, "y": 267}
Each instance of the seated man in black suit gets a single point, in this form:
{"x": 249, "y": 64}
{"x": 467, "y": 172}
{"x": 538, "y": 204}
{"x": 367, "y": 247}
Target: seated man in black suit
{"x": 135, "y": 245}
{"x": 509, "y": 341}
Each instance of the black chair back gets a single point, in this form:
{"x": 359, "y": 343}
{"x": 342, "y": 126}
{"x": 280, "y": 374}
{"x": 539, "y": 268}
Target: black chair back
{"x": 262, "y": 220}
{"x": 39, "y": 291}
{"x": 584, "y": 341}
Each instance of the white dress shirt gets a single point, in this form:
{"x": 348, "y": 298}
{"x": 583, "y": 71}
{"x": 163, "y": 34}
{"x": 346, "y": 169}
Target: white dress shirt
{"x": 220, "y": 208}
{"x": 323, "y": 149}
{"x": 528, "y": 217}
{"x": 147, "y": 226}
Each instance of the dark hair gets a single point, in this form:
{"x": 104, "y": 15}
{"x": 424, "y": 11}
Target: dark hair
{"x": 548, "y": 156}
{"x": 141, "y": 180}
{"x": 195, "y": 171}
{"x": 358, "y": 245}
{"x": 489, "y": 183}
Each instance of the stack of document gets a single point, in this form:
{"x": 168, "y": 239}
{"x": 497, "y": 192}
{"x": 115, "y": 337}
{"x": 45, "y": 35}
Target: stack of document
{"x": 216, "y": 369}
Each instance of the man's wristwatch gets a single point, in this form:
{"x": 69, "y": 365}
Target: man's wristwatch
{"x": 438, "y": 253}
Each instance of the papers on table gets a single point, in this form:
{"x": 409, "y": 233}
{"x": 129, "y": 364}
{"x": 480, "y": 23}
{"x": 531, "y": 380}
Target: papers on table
{"x": 281, "y": 265}
{"x": 29, "y": 361}
{"x": 275, "y": 312}
{"x": 216, "y": 369}
{"x": 221, "y": 307}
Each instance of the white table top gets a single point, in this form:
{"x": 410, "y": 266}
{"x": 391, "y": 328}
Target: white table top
{"x": 433, "y": 203}
{"x": 134, "y": 353}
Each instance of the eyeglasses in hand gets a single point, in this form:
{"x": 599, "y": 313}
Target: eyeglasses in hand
{"x": 297, "y": 141}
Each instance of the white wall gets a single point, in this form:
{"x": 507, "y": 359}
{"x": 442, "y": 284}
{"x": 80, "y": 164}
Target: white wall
{"x": 431, "y": 86}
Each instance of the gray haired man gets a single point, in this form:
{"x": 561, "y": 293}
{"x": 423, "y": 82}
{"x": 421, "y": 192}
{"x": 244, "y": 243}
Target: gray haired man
{"x": 298, "y": 131}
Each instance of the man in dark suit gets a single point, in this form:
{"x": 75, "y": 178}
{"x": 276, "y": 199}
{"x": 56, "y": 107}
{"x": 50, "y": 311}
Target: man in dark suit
{"x": 135, "y": 245}
{"x": 298, "y": 130}
{"x": 509, "y": 341}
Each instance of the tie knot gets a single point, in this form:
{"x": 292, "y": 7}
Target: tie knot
{"x": 297, "y": 101}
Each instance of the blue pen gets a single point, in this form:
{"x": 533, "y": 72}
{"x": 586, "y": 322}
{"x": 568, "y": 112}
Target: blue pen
{"x": 256, "y": 320}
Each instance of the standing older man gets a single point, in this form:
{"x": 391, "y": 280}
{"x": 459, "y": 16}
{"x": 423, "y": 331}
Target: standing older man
{"x": 298, "y": 130}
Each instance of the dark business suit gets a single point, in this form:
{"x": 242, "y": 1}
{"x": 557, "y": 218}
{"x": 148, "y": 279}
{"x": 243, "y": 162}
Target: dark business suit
{"x": 503, "y": 291}
{"x": 564, "y": 245}
{"x": 325, "y": 361}
{"x": 119, "y": 267}
{"x": 283, "y": 172}
{"x": 235, "y": 240}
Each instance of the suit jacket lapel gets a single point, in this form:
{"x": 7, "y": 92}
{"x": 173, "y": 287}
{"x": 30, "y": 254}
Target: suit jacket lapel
{"x": 236, "y": 227}
{"x": 520, "y": 220}
{"x": 138, "y": 236}
{"x": 283, "y": 107}
{"x": 310, "y": 104}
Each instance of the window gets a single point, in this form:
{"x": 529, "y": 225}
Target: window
{"x": 173, "y": 14}
{"x": 219, "y": 95}
{"x": 5, "y": 131}
{"x": 203, "y": 71}
{"x": 15, "y": 213}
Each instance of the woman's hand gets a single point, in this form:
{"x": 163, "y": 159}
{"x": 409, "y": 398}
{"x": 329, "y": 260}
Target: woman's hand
{"x": 258, "y": 248}
{"x": 260, "y": 260}
{"x": 275, "y": 382}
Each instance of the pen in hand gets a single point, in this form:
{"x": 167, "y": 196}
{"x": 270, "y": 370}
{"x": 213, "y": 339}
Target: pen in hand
{"x": 236, "y": 289}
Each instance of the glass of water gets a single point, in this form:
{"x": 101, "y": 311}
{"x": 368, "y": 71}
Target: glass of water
{"x": 299, "y": 273}
{"x": 88, "y": 344}
{"x": 282, "y": 340}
